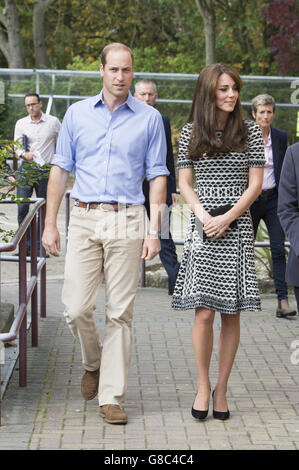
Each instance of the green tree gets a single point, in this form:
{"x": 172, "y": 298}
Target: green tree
{"x": 10, "y": 36}
{"x": 282, "y": 19}
{"x": 166, "y": 35}
{"x": 207, "y": 11}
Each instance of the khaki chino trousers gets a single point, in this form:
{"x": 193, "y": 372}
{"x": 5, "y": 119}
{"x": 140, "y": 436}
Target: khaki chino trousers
{"x": 104, "y": 242}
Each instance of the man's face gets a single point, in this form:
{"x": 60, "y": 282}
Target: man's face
{"x": 33, "y": 106}
{"x": 264, "y": 115}
{"x": 117, "y": 74}
{"x": 146, "y": 92}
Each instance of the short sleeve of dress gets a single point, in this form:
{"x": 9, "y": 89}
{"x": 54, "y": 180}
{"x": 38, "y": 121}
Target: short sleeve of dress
{"x": 183, "y": 161}
{"x": 256, "y": 150}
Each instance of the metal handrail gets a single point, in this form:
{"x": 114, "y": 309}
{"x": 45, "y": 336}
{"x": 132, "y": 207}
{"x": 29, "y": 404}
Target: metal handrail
{"x": 26, "y": 291}
{"x": 43, "y": 73}
{"x": 13, "y": 244}
{"x": 51, "y": 98}
{"x": 182, "y": 76}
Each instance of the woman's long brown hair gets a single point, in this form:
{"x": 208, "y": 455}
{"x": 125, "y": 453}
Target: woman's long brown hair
{"x": 203, "y": 116}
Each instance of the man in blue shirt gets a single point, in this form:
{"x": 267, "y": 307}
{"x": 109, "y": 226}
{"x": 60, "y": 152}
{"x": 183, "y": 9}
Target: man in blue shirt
{"x": 113, "y": 141}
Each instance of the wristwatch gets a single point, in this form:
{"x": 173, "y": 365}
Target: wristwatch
{"x": 155, "y": 233}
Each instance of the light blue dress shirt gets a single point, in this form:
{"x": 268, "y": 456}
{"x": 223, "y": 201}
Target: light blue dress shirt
{"x": 111, "y": 153}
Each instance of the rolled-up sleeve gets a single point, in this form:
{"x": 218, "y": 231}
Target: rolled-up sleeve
{"x": 65, "y": 151}
{"x": 155, "y": 162}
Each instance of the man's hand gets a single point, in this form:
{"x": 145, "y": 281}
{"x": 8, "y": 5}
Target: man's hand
{"x": 29, "y": 156}
{"x": 175, "y": 199}
{"x": 51, "y": 240}
{"x": 151, "y": 247}
{"x": 55, "y": 191}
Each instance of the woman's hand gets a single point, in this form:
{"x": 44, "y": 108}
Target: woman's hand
{"x": 217, "y": 227}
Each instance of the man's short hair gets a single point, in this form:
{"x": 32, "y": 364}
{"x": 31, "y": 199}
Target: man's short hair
{"x": 33, "y": 94}
{"x": 145, "y": 81}
{"x": 264, "y": 99}
{"x": 115, "y": 46}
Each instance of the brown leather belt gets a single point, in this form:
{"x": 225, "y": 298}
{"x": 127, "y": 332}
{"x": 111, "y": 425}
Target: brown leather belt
{"x": 105, "y": 206}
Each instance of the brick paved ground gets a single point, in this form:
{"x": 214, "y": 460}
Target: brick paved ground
{"x": 263, "y": 390}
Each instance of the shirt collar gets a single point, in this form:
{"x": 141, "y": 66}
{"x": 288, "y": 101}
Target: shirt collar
{"x": 269, "y": 143}
{"x": 43, "y": 118}
{"x": 130, "y": 101}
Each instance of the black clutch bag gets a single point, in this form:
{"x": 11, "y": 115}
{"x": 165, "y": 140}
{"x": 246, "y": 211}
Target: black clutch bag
{"x": 214, "y": 212}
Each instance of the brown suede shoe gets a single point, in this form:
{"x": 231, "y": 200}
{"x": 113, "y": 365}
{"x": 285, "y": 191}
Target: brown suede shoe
{"x": 90, "y": 384}
{"x": 113, "y": 414}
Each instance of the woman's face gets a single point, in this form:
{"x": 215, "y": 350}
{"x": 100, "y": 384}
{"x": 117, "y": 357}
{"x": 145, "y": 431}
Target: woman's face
{"x": 226, "y": 93}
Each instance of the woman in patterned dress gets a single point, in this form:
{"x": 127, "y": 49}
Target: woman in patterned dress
{"x": 217, "y": 270}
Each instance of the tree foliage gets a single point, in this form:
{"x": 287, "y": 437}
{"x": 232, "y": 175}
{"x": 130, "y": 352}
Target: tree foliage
{"x": 256, "y": 36}
{"x": 11, "y": 179}
{"x": 283, "y": 23}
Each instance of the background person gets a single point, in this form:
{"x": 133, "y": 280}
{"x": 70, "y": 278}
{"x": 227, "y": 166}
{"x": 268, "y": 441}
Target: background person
{"x": 265, "y": 206}
{"x": 217, "y": 272}
{"x": 39, "y": 131}
{"x": 288, "y": 202}
{"x": 146, "y": 90}
{"x": 113, "y": 141}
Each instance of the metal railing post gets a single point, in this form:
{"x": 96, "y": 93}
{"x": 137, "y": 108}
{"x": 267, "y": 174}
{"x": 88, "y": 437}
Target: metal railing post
{"x": 43, "y": 273}
{"x": 23, "y": 300}
{"x": 37, "y": 82}
{"x": 34, "y": 316}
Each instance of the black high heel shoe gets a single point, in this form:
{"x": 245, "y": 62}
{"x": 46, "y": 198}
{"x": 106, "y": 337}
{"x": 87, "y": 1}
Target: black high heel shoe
{"x": 199, "y": 414}
{"x": 223, "y": 415}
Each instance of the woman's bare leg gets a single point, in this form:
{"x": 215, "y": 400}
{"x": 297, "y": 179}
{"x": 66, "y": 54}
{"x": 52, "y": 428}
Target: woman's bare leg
{"x": 229, "y": 340}
{"x": 202, "y": 340}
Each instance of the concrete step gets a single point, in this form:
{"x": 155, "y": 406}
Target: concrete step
{"x": 7, "y": 311}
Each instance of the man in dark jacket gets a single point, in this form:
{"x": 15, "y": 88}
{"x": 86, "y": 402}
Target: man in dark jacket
{"x": 288, "y": 212}
{"x": 146, "y": 91}
{"x": 265, "y": 207}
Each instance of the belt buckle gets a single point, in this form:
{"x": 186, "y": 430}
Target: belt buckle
{"x": 102, "y": 207}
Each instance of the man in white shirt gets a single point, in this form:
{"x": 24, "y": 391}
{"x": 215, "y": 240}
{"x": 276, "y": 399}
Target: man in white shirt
{"x": 265, "y": 207}
{"x": 37, "y": 134}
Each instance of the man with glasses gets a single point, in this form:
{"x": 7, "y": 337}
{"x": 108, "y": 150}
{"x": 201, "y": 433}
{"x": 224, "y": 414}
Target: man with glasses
{"x": 37, "y": 134}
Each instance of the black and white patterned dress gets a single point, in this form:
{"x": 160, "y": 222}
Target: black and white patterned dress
{"x": 219, "y": 274}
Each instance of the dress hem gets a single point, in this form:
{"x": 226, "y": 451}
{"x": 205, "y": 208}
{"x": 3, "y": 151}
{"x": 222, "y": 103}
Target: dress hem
{"x": 190, "y": 303}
